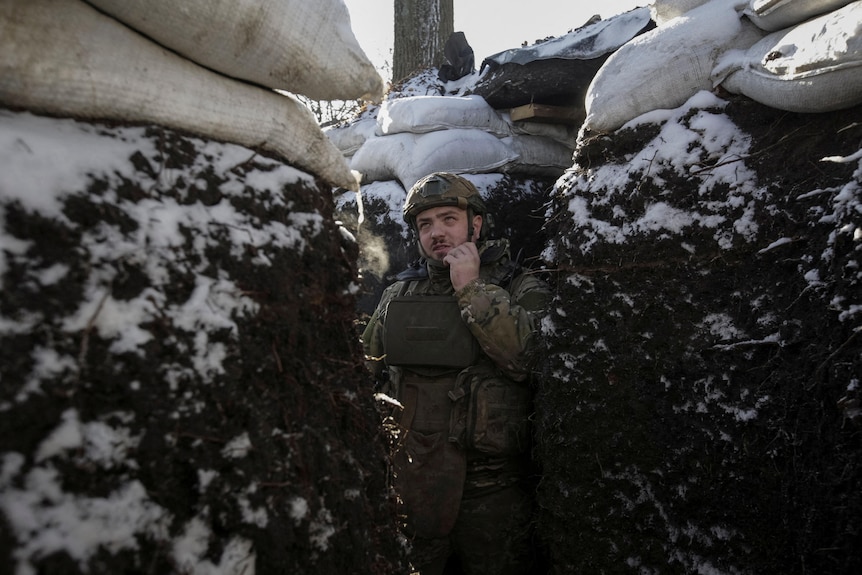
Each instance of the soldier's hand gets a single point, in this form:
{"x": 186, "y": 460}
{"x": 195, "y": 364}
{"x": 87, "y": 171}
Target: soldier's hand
{"x": 463, "y": 262}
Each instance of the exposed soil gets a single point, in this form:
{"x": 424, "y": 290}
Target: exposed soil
{"x": 669, "y": 449}
{"x": 294, "y": 381}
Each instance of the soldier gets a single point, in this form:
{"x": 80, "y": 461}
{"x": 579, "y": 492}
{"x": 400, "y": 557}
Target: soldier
{"x": 455, "y": 335}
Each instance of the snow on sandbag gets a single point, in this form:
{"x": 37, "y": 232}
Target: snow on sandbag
{"x": 114, "y": 73}
{"x": 556, "y": 72}
{"x": 773, "y": 15}
{"x": 663, "y": 11}
{"x": 813, "y": 67}
{"x": 664, "y": 67}
{"x": 302, "y": 47}
{"x": 407, "y": 157}
{"x": 592, "y": 40}
{"x": 420, "y": 114}
{"x": 349, "y": 137}
{"x": 379, "y": 158}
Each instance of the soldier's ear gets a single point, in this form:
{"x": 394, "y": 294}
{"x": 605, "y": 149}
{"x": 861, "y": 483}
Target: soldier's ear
{"x": 477, "y": 226}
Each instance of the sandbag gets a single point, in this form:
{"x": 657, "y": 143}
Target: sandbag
{"x": 773, "y": 15}
{"x": 664, "y": 67}
{"x": 420, "y": 114}
{"x": 663, "y": 11}
{"x": 538, "y": 156}
{"x": 566, "y": 134}
{"x": 407, "y": 157}
{"x": 349, "y": 137}
{"x": 64, "y": 58}
{"x": 302, "y": 47}
{"x": 594, "y": 39}
{"x": 813, "y": 67}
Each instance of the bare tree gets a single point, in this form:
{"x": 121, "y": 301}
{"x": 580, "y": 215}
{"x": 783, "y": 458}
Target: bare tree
{"x": 331, "y": 112}
{"x": 421, "y": 30}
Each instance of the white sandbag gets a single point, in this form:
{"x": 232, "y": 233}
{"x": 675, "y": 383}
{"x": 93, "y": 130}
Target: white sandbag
{"x": 663, "y": 11}
{"x": 378, "y": 158}
{"x": 813, "y": 67}
{"x": 407, "y": 157}
{"x": 65, "y": 58}
{"x": 773, "y": 15}
{"x": 302, "y": 47}
{"x": 664, "y": 67}
{"x": 350, "y": 137}
{"x": 420, "y": 114}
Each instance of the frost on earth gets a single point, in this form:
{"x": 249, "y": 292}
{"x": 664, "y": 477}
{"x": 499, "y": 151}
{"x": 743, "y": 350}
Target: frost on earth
{"x": 181, "y": 385}
{"x": 698, "y": 411}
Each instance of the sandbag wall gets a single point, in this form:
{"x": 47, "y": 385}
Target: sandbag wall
{"x": 416, "y": 135}
{"x": 181, "y": 385}
{"x": 195, "y": 75}
{"x": 796, "y": 55}
{"x": 699, "y": 406}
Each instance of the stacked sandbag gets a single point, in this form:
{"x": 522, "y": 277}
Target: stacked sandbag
{"x": 350, "y": 136}
{"x": 809, "y": 63}
{"x": 774, "y": 15}
{"x": 811, "y": 66}
{"x": 663, "y": 11}
{"x": 66, "y": 58}
{"x": 664, "y": 67}
{"x": 303, "y": 47}
{"x": 181, "y": 386}
{"x": 699, "y": 404}
{"x": 418, "y": 135}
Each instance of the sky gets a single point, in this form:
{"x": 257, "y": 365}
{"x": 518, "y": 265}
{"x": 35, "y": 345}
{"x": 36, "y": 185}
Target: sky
{"x": 490, "y": 26}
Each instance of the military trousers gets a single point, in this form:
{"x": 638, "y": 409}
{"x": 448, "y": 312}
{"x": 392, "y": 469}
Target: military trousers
{"x": 492, "y": 535}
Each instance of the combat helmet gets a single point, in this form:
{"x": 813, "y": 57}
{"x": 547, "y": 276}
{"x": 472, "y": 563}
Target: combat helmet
{"x": 445, "y": 189}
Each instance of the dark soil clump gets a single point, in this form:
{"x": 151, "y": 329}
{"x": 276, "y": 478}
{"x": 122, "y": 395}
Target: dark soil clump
{"x": 203, "y": 380}
{"x": 697, "y": 406}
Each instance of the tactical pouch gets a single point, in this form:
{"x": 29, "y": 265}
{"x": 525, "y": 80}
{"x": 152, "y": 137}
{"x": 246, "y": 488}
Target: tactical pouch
{"x": 490, "y": 413}
{"x": 429, "y": 476}
{"x": 428, "y": 331}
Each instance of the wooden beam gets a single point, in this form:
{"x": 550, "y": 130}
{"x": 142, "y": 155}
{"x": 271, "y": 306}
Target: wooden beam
{"x": 548, "y": 114}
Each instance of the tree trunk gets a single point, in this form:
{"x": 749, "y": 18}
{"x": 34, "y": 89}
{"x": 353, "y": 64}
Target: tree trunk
{"x": 421, "y": 30}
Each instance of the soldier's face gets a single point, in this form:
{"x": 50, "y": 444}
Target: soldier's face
{"x": 443, "y": 228}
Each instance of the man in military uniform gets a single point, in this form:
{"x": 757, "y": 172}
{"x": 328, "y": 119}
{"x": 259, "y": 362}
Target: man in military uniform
{"x": 456, "y": 335}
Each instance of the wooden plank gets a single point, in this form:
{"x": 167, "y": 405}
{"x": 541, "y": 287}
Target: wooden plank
{"x": 548, "y": 114}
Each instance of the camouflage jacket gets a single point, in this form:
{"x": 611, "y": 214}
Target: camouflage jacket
{"x": 502, "y": 309}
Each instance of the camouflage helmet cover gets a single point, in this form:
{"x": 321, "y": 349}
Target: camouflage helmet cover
{"x": 442, "y": 189}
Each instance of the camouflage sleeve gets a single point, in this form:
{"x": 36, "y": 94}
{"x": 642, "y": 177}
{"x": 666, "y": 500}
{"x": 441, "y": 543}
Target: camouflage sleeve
{"x": 506, "y": 322}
